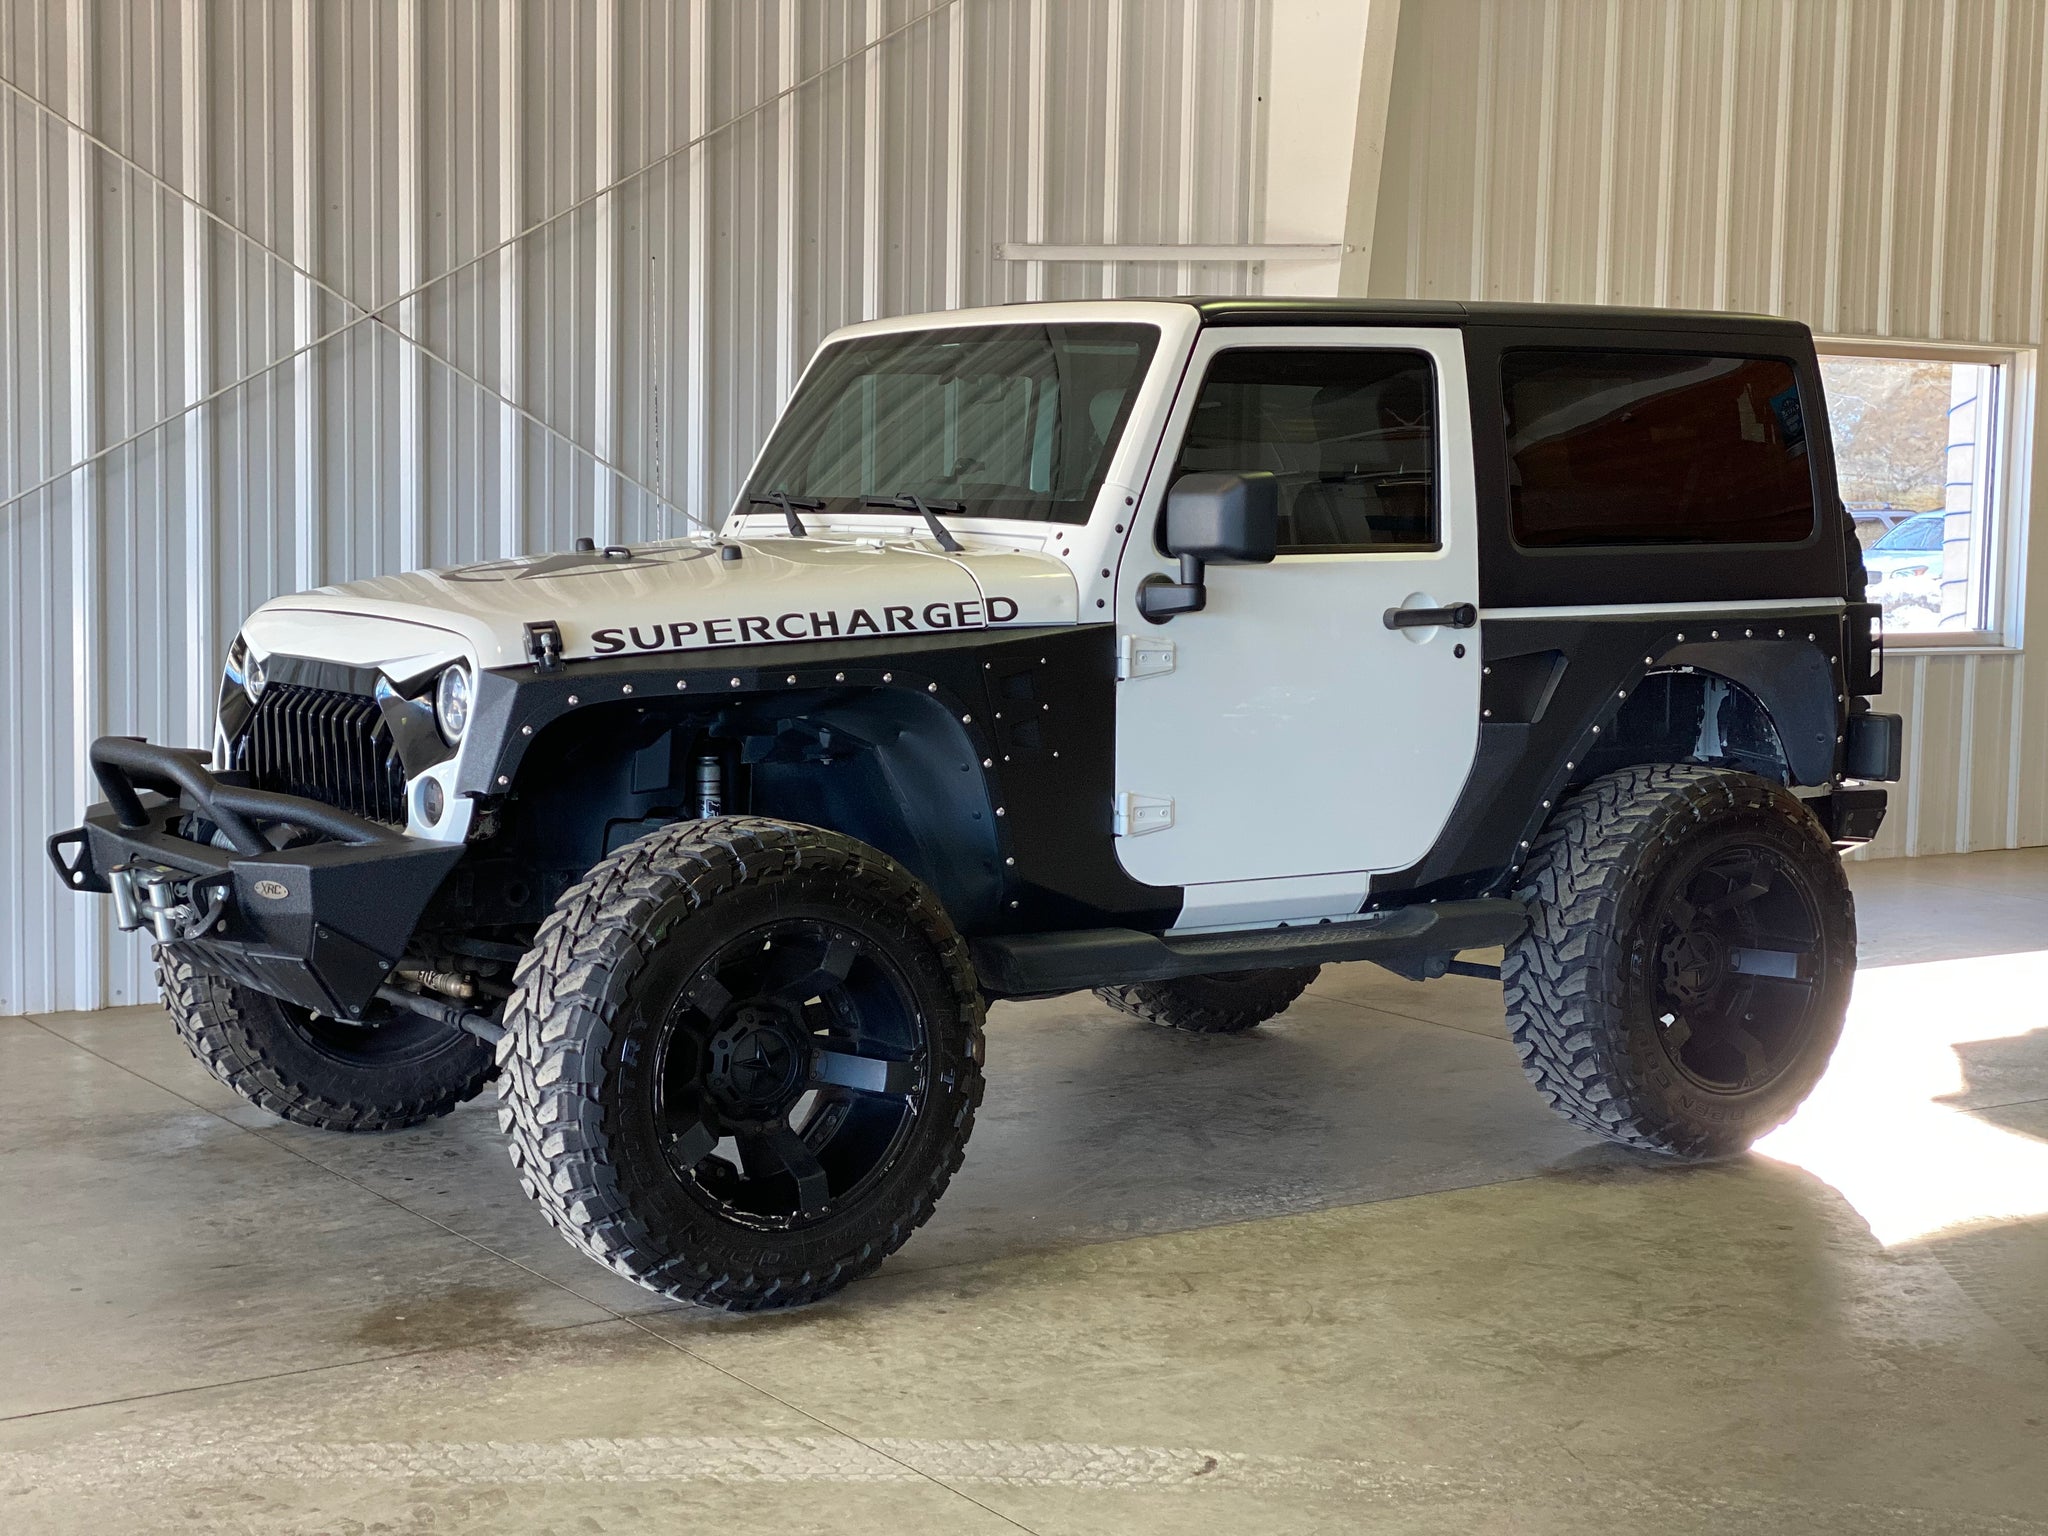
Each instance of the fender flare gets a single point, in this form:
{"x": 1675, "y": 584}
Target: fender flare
{"x": 1794, "y": 681}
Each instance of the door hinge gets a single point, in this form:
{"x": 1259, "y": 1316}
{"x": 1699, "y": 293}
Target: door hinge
{"x": 1142, "y": 656}
{"x": 1138, "y": 814}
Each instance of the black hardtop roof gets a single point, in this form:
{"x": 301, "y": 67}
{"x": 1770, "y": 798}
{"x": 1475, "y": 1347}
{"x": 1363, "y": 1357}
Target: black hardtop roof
{"x": 1313, "y": 311}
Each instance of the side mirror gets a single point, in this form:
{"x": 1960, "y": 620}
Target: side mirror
{"x": 1212, "y": 517}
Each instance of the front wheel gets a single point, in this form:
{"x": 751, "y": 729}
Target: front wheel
{"x": 313, "y": 1070}
{"x": 1686, "y": 969}
{"x": 742, "y": 1061}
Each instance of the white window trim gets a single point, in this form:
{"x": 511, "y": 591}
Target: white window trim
{"x": 2012, "y": 479}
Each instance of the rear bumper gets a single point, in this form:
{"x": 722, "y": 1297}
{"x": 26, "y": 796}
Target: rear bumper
{"x": 1851, "y": 817}
{"x": 319, "y": 925}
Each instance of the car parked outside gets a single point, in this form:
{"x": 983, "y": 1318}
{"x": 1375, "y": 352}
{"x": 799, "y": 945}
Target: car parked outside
{"x": 1874, "y": 522}
{"x": 1902, "y": 571}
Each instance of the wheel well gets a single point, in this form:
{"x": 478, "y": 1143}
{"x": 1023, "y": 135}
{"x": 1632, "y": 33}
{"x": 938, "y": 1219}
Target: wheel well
{"x": 886, "y": 766}
{"x": 1686, "y": 715}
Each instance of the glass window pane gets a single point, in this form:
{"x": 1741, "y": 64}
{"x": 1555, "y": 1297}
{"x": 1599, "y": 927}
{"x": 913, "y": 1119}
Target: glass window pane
{"x": 1912, "y": 453}
{"x": 1011, "y": 421}
{"x": 1350, "y": 432}
{"x": 1655, "y": 448}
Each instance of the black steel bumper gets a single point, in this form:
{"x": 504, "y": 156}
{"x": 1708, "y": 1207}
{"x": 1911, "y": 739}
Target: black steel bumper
{"x": 1851, "y": 816}
{"x": 320, "y": 924}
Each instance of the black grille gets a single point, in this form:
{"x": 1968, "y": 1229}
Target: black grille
{"x": 326, "y": 746}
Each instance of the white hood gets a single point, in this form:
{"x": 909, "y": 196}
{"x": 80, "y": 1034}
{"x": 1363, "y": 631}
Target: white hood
{"x": 681, "y": 595}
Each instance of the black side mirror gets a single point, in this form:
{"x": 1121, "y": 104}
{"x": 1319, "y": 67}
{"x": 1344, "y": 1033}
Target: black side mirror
{"x": 1212, "y": 517}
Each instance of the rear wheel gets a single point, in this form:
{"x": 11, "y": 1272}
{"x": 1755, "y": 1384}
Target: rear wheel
{"x": 1686, "y": 970}
{"x": 742, "y": 1061}
{"x": 1225, "y": 1004}
{"x": 327, "y": 1073}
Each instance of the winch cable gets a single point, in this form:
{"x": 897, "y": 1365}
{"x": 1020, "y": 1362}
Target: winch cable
{"x": 377, "y": 312}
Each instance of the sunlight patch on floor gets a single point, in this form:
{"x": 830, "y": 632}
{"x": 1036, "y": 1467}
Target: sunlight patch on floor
{"x": 1876, "y": 1128}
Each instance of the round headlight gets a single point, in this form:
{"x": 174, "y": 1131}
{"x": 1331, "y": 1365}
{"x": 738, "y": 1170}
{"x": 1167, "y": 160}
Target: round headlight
{"x": 252, "y": 676}
{"x": 451, "y": 703}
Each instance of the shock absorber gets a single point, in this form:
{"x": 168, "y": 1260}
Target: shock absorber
{"x": 708, "y": 780}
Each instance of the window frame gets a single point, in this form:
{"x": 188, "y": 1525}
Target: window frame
{"x": 1656, "y": 346}
{"x": 1431, "y": 546}
{"x": 2008, "y": 480}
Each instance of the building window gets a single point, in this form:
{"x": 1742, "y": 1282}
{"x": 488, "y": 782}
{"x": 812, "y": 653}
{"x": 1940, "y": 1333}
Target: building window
{"x": 1916, "y": 456}
{"x": 1639, "y": 448}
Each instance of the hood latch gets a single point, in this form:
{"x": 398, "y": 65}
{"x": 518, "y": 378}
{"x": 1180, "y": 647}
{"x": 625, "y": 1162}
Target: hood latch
{"x": 544, "y": 645}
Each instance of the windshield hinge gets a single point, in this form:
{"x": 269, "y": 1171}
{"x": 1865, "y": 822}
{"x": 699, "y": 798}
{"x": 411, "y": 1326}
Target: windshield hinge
{"x": 1138, "y": 814}
{"x": 1142, "y": 656}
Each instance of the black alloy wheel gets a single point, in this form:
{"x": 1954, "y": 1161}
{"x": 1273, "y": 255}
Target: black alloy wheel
{"x": 1737, "y": 981}
{"x": 788, "y": 1073}
{"x": 1686, "y": 969}
{"x": 742, "y": 1061}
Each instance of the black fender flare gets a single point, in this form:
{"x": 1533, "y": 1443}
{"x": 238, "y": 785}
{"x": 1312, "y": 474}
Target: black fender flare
{"x": 1794, "y": 681}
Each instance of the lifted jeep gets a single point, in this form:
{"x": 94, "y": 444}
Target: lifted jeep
{"x": 1171, "y": 649}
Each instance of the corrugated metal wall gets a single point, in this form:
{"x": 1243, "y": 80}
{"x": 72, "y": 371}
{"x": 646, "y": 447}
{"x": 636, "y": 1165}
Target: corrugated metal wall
{"x": 722, "y": 183}
{"x": 1876, "y": 168}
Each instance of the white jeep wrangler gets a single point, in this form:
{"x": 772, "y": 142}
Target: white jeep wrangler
{"x": 1167, "y": 648}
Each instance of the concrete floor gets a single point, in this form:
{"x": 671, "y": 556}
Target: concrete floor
{"x": 1344, "y": 1273}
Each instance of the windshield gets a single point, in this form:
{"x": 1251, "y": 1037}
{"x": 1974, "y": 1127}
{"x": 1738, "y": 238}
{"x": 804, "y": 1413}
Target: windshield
{"x": 1916, "y": 533}
{"x": 1011, "y": 421}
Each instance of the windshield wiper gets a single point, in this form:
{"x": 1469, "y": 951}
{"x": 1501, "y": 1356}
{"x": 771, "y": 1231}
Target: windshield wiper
{"x": 926, "y": 510}
{"x": 789, "y": 504}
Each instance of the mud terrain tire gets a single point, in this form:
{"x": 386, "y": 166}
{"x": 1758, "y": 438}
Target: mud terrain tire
{"x": 1685, "y": 973}
{"x": 319, "y": 1072}
{"x": 662, "y": 1024}
{"x": 1227, "y": 1004}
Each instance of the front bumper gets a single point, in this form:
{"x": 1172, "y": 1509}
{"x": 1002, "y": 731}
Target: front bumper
{"x": 196, "y": 855}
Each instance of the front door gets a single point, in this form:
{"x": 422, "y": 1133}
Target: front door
{"x": 1292, "y": 739}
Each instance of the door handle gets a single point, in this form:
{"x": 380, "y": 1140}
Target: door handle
{"x": 1456, "y": 616}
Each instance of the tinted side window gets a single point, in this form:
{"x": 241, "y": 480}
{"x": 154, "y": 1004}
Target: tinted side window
{"x": 1350, "y": 432}
{"x": 1654, "y": 448}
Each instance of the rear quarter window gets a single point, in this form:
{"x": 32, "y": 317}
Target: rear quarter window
{"x": 1647, "y": 448}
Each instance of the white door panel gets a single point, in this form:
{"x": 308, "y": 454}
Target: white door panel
{"x": 1296, "y": 734}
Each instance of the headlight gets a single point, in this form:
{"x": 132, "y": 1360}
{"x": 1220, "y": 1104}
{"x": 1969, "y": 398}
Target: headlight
{"x": 451, "y": 703}
{"x": 253, "y": 679}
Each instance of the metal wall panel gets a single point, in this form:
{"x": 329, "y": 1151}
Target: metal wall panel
{"x": 1874, "y": 169}
{"x": 655, "y": 321}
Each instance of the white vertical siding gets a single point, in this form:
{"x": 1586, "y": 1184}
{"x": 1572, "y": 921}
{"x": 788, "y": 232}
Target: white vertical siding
{"x": 657, "y": 321}
{"x": 1872, "y": 167}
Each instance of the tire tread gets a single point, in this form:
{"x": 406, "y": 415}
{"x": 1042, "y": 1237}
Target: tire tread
{"x": 1212, "y": 1005}
{"x": 214, "y": 1022}
{"x": 560, "y": 1022}
{"x": 1561, "y": 980}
